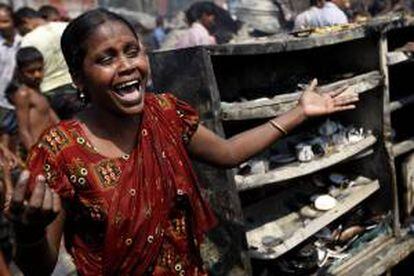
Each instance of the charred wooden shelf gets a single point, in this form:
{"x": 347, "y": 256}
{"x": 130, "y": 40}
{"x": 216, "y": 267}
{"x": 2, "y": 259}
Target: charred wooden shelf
{"x": 378, "y": 256}
{"x": 285, "y": 42}
{"x": 298, "y": 169}
{"x": 397, "y": 57}
{"x": 372, "y": 248}
{"x": 403, "y": 147}
{"x": 398, "y": 104}
{"x": 289, "y": 230}
{"x": 266, "y": 108}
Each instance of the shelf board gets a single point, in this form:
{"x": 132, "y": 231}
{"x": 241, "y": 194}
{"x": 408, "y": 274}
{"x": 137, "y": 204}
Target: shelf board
{"x": 398, "y": 104}
{"x": 285, "y": 43}
{"x": 271, "y": 107}
{"x": 376, "y": 258}
{"x": 397, "y": 57}
{"x": 298, "y": 169}
{"x": 403, "y": 147}
{"x": 388, "y": 257}
{"x": 370, "y": 249}
{"x": 290, "y": 228}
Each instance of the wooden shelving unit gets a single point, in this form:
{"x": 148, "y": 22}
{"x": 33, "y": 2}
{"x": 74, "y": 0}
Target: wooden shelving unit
{"x": 397, "y": 57}
{"x": 403, "y": 147}
{"x": 298, "y": 169}
{"x": 267, "y": 108}
{"x": 400, "y": 103}
{"x": 291, "y": 229}
{"x": 401, "y": 86}
{"x": 237, "y": 86}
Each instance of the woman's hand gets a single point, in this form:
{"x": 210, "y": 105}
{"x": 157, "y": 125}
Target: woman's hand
{"x": 30, "y": 218}
{"x": 10, "y": 158}
{"x": 317, "y": 104}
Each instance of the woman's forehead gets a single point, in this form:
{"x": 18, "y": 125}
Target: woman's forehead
{"x": 112, "y": 29}
{"x": 109, "y": 32}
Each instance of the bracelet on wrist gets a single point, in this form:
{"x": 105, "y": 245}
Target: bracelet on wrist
{"x": 278, "y": 127}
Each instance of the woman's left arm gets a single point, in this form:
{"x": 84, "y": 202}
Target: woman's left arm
{"x": 217, "y": 151}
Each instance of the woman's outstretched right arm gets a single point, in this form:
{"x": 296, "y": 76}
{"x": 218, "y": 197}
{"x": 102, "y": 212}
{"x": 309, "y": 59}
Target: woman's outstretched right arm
{"x": 38, "y": 226}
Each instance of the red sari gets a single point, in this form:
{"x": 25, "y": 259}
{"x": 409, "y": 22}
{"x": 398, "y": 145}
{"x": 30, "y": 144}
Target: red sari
{"x": 142, "y": 213}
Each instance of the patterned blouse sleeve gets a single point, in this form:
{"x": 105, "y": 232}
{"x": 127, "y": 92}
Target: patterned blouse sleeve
{"x": 188, "y": 118}
{"x": 43, "y": 161}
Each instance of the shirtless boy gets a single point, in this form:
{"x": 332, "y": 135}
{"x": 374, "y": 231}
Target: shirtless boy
{"x": 33, "y": 111}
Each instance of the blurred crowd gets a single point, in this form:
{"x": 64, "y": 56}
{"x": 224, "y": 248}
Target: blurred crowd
{"x": 207, "y": 23}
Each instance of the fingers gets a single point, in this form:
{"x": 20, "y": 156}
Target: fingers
{"x": 36, "y": 200}
{"x": 16, "y": 208}
{"x": 42, "y": 208}
{"x": 312, "y": 85}
{"x": 8, "y": 199}
{"x": 57, "y": 204}
{"x": 345, "y": 107}
{"x": 13, "y": 163}
{"x": 48, "y": 200}
{"x": 341, "y": 90}
{"x": 346, "y": 100}
{"x": 21, "y": 186}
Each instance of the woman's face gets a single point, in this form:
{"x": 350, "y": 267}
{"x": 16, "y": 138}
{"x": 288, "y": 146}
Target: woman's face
{"x": 115, "y": 69}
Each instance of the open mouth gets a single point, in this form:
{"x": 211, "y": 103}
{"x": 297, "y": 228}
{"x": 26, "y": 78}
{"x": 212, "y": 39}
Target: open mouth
{"x": 129, "y": 91}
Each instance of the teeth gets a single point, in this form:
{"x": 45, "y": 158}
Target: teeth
{"x": 126, "y": 84}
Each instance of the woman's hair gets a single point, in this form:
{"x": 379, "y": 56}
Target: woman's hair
{"x": 26, "y": 56}
{"x": 196, "y": 11}
{"x": 79, "y": 30}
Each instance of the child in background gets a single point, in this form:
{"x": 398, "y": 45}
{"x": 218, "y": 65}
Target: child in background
{"x": 33, "y": 112}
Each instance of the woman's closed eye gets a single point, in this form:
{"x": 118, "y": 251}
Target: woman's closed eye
{"x": 104, "y": 60}
{"x": 132, "y": 51}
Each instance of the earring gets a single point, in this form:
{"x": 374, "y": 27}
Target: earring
{"x": 82, "y": 98}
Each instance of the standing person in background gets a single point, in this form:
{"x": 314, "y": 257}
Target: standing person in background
{"x": 9, "y": 44}
{"x": 333, "y": 12}
{"x": 50, "y": 13}
{"x": 312, "y": 17}
{"x": 159, "y": 33}
{"x": 323, "y": 13}
{"x": 224, "y": 27}
{"x": 45, "y": 37}
{"x": 34, "y": 114}
{"x": 200, "y": 17}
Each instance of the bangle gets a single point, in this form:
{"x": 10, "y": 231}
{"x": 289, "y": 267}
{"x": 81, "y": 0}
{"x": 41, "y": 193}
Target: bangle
{"x": 278, "y": 127}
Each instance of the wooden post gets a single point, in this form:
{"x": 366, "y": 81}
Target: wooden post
{"x": 383, "y": 50}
